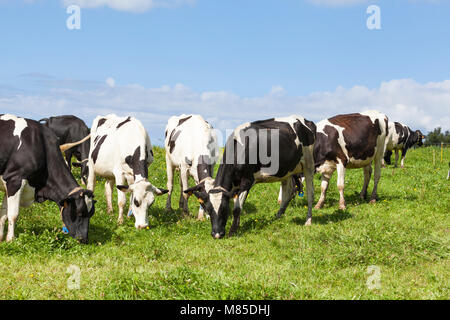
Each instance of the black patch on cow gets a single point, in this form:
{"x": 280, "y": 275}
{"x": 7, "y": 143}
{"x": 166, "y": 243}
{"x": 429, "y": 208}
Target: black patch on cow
{"x": 360, "y": 134}
{"x": 204, "y": 167}
{"x": 123, "y": 122}
{"x": 188, "y": 162}
{"x": 97, "y": 148}
{"x": 173, "y": 137}
{"x": 402, "y": 133}
{"x": 138, "y": 166}
{"x": 307, "y": 133}
{"x": 181, "y": 121}
{"x": 101, "y": 122}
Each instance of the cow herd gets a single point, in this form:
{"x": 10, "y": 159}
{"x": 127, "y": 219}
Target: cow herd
{"x": 287, "y": 150}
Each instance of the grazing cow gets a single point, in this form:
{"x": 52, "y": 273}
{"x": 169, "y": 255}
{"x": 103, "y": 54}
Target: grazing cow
{"x": 70, "y": 129}
{"x": 401, "y": 137}
{"x": 121, "y": 152}
{"x": 350, "y": 141}
{"x": 262, "y": 151}
{"x": 32, "y": 169}
{"x": 191, "y": 147}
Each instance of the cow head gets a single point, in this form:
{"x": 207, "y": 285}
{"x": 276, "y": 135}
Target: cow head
{"x": 216, "y": 202}
{"x": 419, "y": 137}
{"x": 84, "y": 170}
{"x": 76, "y": 211}
{"x": 143, "y": 196}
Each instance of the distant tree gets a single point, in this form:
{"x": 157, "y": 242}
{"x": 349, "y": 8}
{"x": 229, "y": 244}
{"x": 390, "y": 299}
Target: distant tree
{"x": 437, "y": 136}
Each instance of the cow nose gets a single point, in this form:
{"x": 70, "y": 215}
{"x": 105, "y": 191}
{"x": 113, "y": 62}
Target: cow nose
{"x": 217, "y": 235}
{"x": 140, "y": 227}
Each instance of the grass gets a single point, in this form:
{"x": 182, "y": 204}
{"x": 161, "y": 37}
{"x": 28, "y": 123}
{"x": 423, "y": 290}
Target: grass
{"x": 405, "y": 234}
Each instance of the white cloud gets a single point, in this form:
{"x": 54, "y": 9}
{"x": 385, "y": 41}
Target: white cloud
{"x": 136, "y": 6}
{"x": 421, "y": 106}
{"x": 110, "y": 82}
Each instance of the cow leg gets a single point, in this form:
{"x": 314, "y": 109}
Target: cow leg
{"x": 184, "y": 181}
{"x": 396, "y": 158}
{"x": 170, "y": 171}
{"x": 121, "y": 196}
{"x": 3, "y": 217}
{"x": 237, "y": 210}
{"x": 367, "y": 175}
{"x": 323, "y": 188}
{"x": 341, "y": 185}
{"x": 13, "y": 207}
{"x": 309, "y": 177}
{"x": 286, "y": 197}
{"x": 376, "y": 178}
{"x": 403, "y": 158}
{"x": 280, "y": 194}
{"x": 108, "y": 194}
{"x": 91, "y": 176}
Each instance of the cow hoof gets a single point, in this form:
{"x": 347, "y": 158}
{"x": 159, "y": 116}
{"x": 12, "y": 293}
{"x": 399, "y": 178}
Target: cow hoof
{"x": 318, "y": 206}
{"x": 308, "y": 222}
{"x": 363, "y": 196}
{"x": 342, "y": 207}
{"x": 373, "y": 201}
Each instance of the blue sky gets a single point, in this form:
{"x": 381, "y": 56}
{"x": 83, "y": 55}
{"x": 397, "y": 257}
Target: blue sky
{"x": 231, "y": 61}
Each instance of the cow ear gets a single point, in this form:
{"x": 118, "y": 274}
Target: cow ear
{"x": 160, "y": 192}
{"x": 201, "y": 196}
{"x": 199, "y": 191}
{"x": 123, "y": 188}
{"x": 198, "y": 188}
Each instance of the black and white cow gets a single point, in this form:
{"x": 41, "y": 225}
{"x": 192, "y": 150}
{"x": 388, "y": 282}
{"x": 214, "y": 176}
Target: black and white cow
{"x": 401, "y": 137}
{"x": 121, "y": 152}
{"x": 71, "y": 129}
{"x": 191, "y": 147}
{"x": 350, "y": 141}
{"x": 262, "y": 151}
{"x": 32, "y": 169}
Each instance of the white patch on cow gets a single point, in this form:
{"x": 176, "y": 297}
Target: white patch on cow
{"x": 216, "y": 200}
{"x": 19, "y": 125}
{"x": 27, "y": 198}
{"x": 372, "y": 114}
{"x": 291, "y": 120}
{"x": 89, "y": 203}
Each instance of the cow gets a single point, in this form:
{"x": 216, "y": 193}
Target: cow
{"x": 259, "y": 152}
{"x": 350, "y": 141}
{"x": 121, "y": 152}
{"x": 191, "y": 147}
{"x": 401, "y": 137}
{"x": 68, "y": 129}
{"x": 32, "y": 169}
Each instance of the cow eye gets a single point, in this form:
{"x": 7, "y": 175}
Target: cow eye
{"x": 136, "y": 203}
